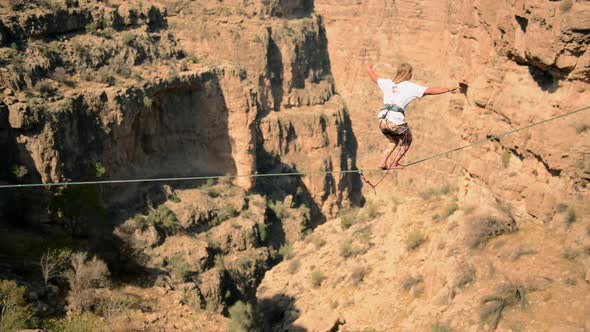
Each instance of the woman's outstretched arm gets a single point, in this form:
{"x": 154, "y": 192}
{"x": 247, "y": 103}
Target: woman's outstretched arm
{"x": 372, "y": 73}
{"x": 438, "y": 91}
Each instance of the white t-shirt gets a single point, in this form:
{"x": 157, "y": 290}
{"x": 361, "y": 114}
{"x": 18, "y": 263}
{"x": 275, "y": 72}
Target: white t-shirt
{"x": 400, "y": 94}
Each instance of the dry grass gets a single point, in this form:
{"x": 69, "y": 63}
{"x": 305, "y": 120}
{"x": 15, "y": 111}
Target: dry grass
{"x": 84, "y": 276}
{"x": 415, "y": 239}
{"x": 505, "y": 295}
{"x": 294, "y": 266}
{"x": 358, "y": 275}
{"x": 484, "y": 228}
{"x": 465, "y": 276}
{"x": 317, "y": 277}
{"x": 411, "y": 281}
{"x": 347, "y": 249}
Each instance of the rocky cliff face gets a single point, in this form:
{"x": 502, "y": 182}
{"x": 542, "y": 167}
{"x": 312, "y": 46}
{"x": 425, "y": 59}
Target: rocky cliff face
{"x": 460, "y": 242}
{"x": 121, "y": 90}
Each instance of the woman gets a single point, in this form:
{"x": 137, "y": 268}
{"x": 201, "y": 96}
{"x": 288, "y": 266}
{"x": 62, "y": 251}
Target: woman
{"x": 397, "y": 94}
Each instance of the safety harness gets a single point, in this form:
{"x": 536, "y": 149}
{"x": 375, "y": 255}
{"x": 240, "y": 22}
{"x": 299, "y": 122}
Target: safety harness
{"x": 387, "y": 108}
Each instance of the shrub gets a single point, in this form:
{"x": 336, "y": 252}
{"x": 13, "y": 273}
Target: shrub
{"x": 484, "y": 228}
{"x": 128, "y": 38}
{"x": 505, "y": 296}
{"x": 570, "y": 217}
{"x": 348, "y": 250}
{"x": 466, "y": 276}
{"x": 20, "y": 171}
{"x": 147, "y": 102}
{"x": 84, "y": 322}
{"x": 451, "y": 210}
{"x": 358, "y": 274}
{"x": 219, "y": 263}
{"x": 415, "y": 239}
{"x": 111, "y": 306}
{"x": 318, "y": 241}
{"x": 84, "y": 276}
{"x": 262, "y": 232}
{"x": 437, "y": 327}
{"x": 16, "y": 314}
{"x": 279, "y": 209}
{"x": 244, "y": 263}
{"x": 294, "y": 266}
{"x": 105, "y": 76}
{"x": 193, "y": 59}
{"x": 317, "y": 277}
{"x": 227, "y": 212}
{"x": 371, "y": 210}
{"x": 100, "y": 170}
{"x": 91, "y": 28}
{"x": 444, "y": 189}
{"x": 86, "y": 75}
{"x": 45, "y": 88}
{"x": 178, "y": 268}
{"x": 213, "y": 193}
{"x": 163, "y": 218}
{"x": 61, "y": 75}
{"x": 174, "y": 198}
{"x": 286, "y": 251}
{"x": 52, "y": 263}
{"x": 241, "y": 317}
{"x": 506, "y": 155}
{"x": 346, "y": 222}
{"x": 570, "y": 254}
{"x": 410, "y": 282}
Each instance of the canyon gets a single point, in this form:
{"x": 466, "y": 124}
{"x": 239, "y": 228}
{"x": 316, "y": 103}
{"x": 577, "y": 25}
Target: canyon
{"x": 493, "y": 237}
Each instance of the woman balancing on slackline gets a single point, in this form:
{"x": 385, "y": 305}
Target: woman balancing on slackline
{"x": 397, "y": 94}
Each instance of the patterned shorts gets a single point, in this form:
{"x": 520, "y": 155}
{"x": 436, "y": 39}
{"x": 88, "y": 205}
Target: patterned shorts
{"x": 396, "y": 133}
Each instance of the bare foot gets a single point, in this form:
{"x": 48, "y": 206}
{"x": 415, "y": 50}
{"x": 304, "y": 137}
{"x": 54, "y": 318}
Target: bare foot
{"x": 383, "y": 166}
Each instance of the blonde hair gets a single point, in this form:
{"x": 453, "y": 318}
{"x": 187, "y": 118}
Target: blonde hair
{"x": 404, "y": 73}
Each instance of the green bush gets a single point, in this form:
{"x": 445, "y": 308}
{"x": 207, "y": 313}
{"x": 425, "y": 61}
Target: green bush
{"x": 174, "y": 198}
{"x": 85, "y": 322}
{"x": 286, "y": 251}
{"x": 348, "y": 250}
{"x": 279, "y": 209}
{"x": 317, "y": 277}
{"x": 241, "y": 318}
{"x": 571, "y": 216}
{"x": 16, "y": 314}
{"x": 20, "y": 171}
{"x": 346, "y": 222}
{"x": 162, "y": 218}
{"x": 91, "y": 28}
{"x": 179, "y": 269}
{"x": 262, "y": 232}
{"x": 100, "y": 170}
{"x": 148, "y": 102}
{"x": 213, "y": 193}
{"x": 105, "y": 76}
{"x": 506, "y": 155}
{"x": 45, "y": 88}
{"x": 318, "y": 241}
{"x": 451, "y": 210}
{"x": 437, "y": 327}
{"x": 128, "y": 38}
{"x": 410, "y": 282}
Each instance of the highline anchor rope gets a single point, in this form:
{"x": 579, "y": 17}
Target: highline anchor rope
{"x": 262, "y": 175}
